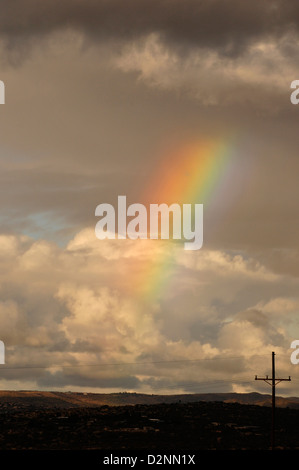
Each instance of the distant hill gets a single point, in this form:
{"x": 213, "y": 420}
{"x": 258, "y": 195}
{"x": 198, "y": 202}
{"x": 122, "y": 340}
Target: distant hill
{"x": 36, "y": 399}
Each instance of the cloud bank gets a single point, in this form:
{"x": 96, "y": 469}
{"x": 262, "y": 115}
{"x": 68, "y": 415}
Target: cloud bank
{"x": 69, "y": 319}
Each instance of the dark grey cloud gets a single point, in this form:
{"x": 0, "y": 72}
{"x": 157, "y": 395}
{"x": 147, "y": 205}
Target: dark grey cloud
{"x": 228, "y": 26}
{"x": 58, "y": 379}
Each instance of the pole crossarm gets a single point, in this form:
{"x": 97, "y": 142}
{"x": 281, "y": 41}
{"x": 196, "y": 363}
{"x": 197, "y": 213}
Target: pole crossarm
{"x": 269, "y": 380}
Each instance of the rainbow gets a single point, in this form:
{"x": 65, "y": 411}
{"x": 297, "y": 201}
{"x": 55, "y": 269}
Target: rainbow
{"x": 190, "y": 174}
{"x": 194, "y": 173}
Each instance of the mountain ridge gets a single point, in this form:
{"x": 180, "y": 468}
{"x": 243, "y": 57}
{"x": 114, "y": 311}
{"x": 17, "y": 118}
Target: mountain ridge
{"x": 56, "y": 399}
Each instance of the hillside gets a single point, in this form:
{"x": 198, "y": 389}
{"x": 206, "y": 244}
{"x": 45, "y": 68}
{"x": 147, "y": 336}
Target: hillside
{"x": 162, "y": 427}
{"x": 46, "y": 400}
{"x": 34, "y": 420}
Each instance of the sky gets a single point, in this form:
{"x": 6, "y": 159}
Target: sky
{"x": 163, "y": 102}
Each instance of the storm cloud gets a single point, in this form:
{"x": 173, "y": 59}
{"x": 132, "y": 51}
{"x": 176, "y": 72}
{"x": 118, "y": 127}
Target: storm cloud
{"x": 95, "y": 93}
{"x": 227, "y": 26}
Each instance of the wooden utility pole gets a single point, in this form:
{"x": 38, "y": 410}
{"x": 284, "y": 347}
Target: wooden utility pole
{"x": 273, "y": 381}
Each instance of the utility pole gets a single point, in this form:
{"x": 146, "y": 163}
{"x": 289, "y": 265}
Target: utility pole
{"x": 273, "y": 381}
